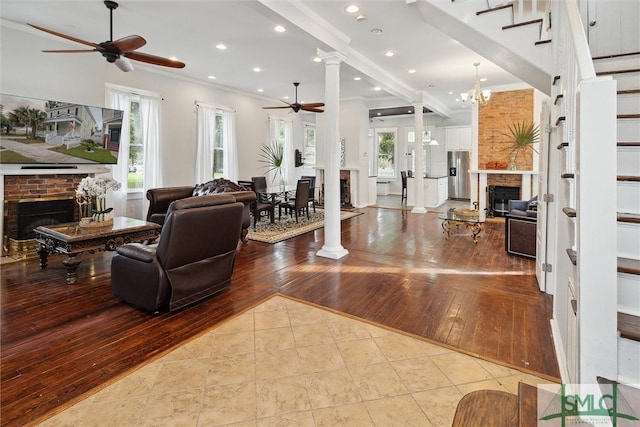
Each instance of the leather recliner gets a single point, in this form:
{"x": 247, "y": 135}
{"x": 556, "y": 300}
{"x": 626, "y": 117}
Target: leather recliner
{"x": 193, "y": 259}
{"x": 161, "y": 198}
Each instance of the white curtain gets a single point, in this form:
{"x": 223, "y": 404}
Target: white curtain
{"x": 121, "y": 100}
{"x": 229, "y": 143}
{"x": 289, "y": 157}
{"x": 288, "y": 171}
{"x": 150, "y": 123}
{"x": 206, "y": 130}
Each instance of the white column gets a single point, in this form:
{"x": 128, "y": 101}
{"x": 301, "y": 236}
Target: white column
{"x": 332, "y": 247}
{"x": 418, "y": 206}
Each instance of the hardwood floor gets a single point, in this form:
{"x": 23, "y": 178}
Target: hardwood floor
{"x": 61, "y": 341}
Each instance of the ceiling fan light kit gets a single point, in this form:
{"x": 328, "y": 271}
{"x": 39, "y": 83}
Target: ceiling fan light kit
{"x": 296, "y": 106}
{"x": 117, "y": 52}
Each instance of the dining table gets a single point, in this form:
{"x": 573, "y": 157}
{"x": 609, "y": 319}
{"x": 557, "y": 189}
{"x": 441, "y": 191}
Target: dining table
{"x": 276, "y": 192}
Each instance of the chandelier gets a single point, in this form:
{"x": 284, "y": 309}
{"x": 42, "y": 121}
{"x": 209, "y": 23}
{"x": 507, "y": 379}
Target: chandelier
{"x": 475, "y": 94}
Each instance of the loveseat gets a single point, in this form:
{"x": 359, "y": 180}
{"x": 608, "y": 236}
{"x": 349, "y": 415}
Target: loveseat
{"x": 193, "y": 259}
{"x": 161, "y": 198}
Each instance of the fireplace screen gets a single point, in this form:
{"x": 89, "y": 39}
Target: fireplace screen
{"x": 42, "y": 212}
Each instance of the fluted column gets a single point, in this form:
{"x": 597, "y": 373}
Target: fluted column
{"x": 332, "y": 247}
{"x": 418, "y": 206}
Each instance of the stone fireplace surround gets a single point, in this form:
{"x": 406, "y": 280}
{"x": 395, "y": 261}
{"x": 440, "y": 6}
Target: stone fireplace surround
{"x": 21, "y": 189}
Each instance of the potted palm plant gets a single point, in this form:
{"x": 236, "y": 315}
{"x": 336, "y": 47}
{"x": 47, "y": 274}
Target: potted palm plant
{"x": 522, "y": 135}
{"x": 272, "y": 155}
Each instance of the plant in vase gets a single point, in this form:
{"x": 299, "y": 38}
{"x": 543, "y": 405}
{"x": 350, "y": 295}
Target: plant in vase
{"x": 91, "y": 197}
{"x": 522, "y": 135}
{"x": 272, "y": 155}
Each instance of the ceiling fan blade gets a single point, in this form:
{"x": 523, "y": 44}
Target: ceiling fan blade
{"x": 271, "y": 108}
{"x": 70, "y": 50}
{"x": 129, "y": 43}
{"x": 153, "y": 59}
{"x": 64, "y": 36}
{"x": 312, "y": 109}
{"x": 314, "y": 104}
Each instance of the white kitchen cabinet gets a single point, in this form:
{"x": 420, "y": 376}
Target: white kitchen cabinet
{"x": 458, "y": 138}
{"x": 435, "y": 191}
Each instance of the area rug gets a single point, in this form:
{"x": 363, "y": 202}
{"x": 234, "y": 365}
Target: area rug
{"x": 288, "y": 363}
{"x": 287, "y": 227}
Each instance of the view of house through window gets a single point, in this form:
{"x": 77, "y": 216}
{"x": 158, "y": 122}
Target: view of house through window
{"x": 135, "y": 179}
{"x": 386, "y": 140}
{"x": 309, "y": 153}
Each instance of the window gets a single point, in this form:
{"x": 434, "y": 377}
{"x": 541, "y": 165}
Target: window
{"x": 411, "y": 138}
{"x": 216, "y": 155}
{"x": 386, "y": 144}
{"x": 309, "y": 150}
{"x": 218, "y": 148}
{"x": 135, "y": 177}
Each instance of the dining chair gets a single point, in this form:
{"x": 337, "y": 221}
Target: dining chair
{"x": 403, "y": 176}
{"x": 300, "y": 203}
{"x": 259, "y": 206}
{"x": 312, "y": 189}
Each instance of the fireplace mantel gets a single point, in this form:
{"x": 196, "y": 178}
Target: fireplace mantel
{"x": 479, "y": 183}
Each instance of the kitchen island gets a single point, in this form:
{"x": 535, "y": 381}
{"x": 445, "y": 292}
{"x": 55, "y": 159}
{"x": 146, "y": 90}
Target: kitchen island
{"x": 436, "y": 191}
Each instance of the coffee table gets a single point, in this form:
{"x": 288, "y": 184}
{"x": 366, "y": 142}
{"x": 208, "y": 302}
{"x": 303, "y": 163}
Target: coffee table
{"x": 72, "y": 239}
{"x": 474, "y": 223}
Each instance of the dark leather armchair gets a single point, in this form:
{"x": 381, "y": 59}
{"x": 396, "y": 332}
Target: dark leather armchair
{"x": 193, "y": 259}
{"x": 161, "y": 198}
{"x": 300, "y": 203}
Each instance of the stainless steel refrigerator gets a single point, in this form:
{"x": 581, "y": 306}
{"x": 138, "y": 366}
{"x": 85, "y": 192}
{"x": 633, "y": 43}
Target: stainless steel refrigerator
{"x": 459, "y": 186}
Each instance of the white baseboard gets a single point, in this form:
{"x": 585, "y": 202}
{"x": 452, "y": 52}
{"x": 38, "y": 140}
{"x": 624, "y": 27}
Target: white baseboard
{"x": 560, "y": 354}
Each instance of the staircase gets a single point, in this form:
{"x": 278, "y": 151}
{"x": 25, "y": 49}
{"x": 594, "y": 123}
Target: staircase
{"x": 625, "y": 69}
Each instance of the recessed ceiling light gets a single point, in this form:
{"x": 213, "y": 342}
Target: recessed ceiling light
{"x": 376, "y": 31}
{"x": 484, "y": 79}
{"x": 257, "y": 69}
{"x": 361, "y": 18}
{"x": 279, "y": 29}
{"x": 211, "y": 77}
{"x": 352, "y": 8}
{"x": 389, "y": 53}
{"x": 286, "y": 97}
{"x": 377, "y": 88}
{"x": 221, "y": 46}
{"x": 317, "y": 59}
{"x": 357, "y": 79}
{"x": 451, "y": 93}
{"x": 412, "y": 71}
{"x": 260, "y": 90}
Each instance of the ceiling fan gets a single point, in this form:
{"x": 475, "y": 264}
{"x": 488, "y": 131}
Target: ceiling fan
{"x": 119, "y": 51}
{"x": 313, "y": 107}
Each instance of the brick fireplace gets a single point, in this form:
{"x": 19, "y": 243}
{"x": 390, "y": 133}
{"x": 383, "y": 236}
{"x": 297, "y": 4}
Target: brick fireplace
{"x": 33, "y": 200}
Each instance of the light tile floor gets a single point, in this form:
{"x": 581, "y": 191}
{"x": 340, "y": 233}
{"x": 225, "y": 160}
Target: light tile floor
{"x": 286, "y": 363}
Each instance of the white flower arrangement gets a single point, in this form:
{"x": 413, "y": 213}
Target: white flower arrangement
{"x": 91, "y": 194}
{"x": 96, "y": 187}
